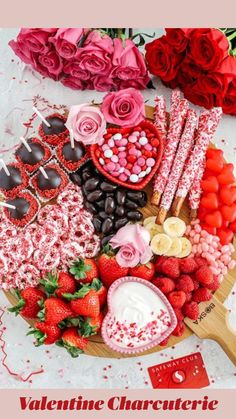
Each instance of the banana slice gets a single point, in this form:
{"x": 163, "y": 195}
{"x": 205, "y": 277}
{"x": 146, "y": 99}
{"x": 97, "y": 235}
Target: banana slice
{"x": 149, "y": 220}
{"x": 154, "y": 229}
{"x": 186, "y": 248}
{"x": 175, "y": 248}
{"x": 160, "y": 244}
{"x": 174, "y": 227}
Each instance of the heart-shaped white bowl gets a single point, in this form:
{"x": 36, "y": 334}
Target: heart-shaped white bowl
{"x": 141, "y": 348}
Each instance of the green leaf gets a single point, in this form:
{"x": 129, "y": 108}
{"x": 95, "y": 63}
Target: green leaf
{"x": 78, "y": 294}
{"x": 72, "y": 350}
{"x": 96, "y": 284}
{"x": 141, "y": 35}
{"x": 18, "y": 307}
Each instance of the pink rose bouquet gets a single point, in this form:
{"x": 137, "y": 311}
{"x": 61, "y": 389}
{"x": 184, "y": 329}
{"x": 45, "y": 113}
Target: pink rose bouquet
{"x": 87, "y": 122}
{"x": 82, "y": 58}
{"x": 133, "y": 243}
{"x": 124, "y": 108}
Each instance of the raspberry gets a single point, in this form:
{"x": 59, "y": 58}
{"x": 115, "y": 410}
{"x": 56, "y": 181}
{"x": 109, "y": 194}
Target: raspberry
{"x": 191, "y": 310}
{"x": 204, "y": 275}
{"x": 177, "y": 298}
{"x": 164, "y": 284}
{"x": 189, "y": 296}
{"x": 202, "y": 294}
{"x": 179, "y": 314}
{"x": 200, "y": 261}
{"x": 213, "y": 286}
{"x": 196, "y": 284}
{"x": 170, "y": 267}
{"x": 158, "y": 263}
{"x": 188, "y": 265}
{"x": 164, "y": 342}
{"x": 179, "y": 330}
{"x": 185, "y": 283}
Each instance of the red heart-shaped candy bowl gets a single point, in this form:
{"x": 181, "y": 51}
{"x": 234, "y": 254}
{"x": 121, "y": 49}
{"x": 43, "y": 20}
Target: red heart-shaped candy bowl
{"x": 152, "y": 151}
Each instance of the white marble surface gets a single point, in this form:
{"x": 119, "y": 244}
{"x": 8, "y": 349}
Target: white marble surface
{"x": 19, "y": 86}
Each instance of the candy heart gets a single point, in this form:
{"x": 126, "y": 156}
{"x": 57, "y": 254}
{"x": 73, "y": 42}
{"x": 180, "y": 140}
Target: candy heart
{"x": 228, "y": 195}
{"x": 226, "y": 177}
{"x": 214, "y": 153}
{"x": 210, "y": 201}
{"x": 207, "y": 174}
{"x": 226, "y": 235}
{"x": 225, "y": 224}
{"x": 210, "y": 184}
{"x": 210, "y": 230}
{"x": 215, "y": 165}
{"x": 232, "y": 226}
{"x": 133, "y": 304}
{"x": 214, "y": 219}
{"x": 202, "y": 212}
{"x": 229, "y": 212}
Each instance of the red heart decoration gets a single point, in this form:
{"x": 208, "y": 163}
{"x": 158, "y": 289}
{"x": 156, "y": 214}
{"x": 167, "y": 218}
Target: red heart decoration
{"x": 214, "y": 219}
{"x": 228, "y": 194}
{"x": 210, "y": 230}
{"x": 229, "y": 212}
{"x": 232, "y": 226}
{"x": 215, "y": 165}
{"x": 202, "y": 212}
{"x": 210, "y": 184}
{"x": 226, "y": 177}
{"x": 146, "y": 126}
{"x": 207, "y": 174}
{"x": 214, "y": 153}
{"x": 210, "y": 201}
{"x": 226, "y": 235}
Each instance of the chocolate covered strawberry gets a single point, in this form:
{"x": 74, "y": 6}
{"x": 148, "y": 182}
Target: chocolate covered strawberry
{"x": 29, "y": 301}
{"x": 84, "y": 270}
{"x": 44, "y": 333}
{"x": 73, "y": 342}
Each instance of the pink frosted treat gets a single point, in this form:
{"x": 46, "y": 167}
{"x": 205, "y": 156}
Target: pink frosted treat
{"x": 175, "y": 130}
{"x": 175, "y": 99}
{"x": 185, "y": 146}
{"x": 160, "y": 116}
{"x": 208, "y": 123}
{"x": 196, "y": 191}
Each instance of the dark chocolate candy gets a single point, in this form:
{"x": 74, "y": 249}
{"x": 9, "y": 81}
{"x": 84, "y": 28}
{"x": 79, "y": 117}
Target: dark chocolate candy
{"x": 73, "y": 154}
{"x": 22, "y": 207}
{"x": 57, "y": 126}
{"x": 107, "y": 226}
{"x": 53, "y": 181}
{"x": 35, "y": 156}
{"x": 12, "y": 181}
{"x": 91, "y": 184}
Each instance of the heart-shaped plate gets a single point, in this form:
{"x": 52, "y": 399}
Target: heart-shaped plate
{"x": 144, "y": 125}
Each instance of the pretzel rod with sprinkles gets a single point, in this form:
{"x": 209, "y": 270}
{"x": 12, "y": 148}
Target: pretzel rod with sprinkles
{"x": 175, "y": 130}
{"x": 196, "y": 191}
{"x": 185, "y": 146}
{"x": 160, "y": 116}
{"x": 208, "y": 123}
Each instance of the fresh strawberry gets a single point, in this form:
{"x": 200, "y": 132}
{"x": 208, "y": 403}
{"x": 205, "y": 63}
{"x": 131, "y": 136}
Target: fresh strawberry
{"x": 109, "y": 268}
{"x": 55, "y": 311}
{"x": 91, "y": 325}
{"x": 188, "y": 265}
{"x": 170, "y": 267}
{"x": 179, "y": 330}
{"x": 191, "y": 310}
{"x": 204, "y": 275}
{"x": 202, "y": 294}
{"x": 179, "y": 314}
{"x": 177, "y": 298}
{"x": 59, "y": 283}
{"x": 45, "y": 333}
{"x": 213, "y": 286}
{"x": 84, "y": 302}
{"x": 30, "y": 300}
{"x": 73, "y": 342}
{"x": 84, "y": 270}
{"x": 185, "y": 283}
{"x": 158, "y": 263}
{"x": 101, "y": 291}
{"x": 164, "y": 284}
{"x": 143, "y": 271}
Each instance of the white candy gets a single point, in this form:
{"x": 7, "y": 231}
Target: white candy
{"x": 108, "y": 153}
{"x": 148, "y": 170}
{"x": 143, "y": 141}
{"x": 133, "y": 178}
{"x": 101, "y": 161}
{"x": 117, "y": 136}
{"x": 142, "y": 174}
{"x": 121, "y": 170}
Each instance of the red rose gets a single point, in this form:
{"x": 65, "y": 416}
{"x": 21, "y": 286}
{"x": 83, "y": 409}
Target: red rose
{"x": 229, "y": 102}
{"x": 198, "y": 96}
{"x": 208, "y": 47}
{"x": 183, "y": 78}
{"x": 102, "y": 83}
{"x": 177, "y": 38}
{"x": 73, "y": 68}
{"x": 161, "y": 59}
{"x": 191, "y": 68}
{"x": 214, "y": 83}
{"x": 49, "y": 64}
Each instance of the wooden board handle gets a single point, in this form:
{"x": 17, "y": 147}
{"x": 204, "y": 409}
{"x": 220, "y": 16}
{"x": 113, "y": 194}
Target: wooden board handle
{"x": 227, "y": 340}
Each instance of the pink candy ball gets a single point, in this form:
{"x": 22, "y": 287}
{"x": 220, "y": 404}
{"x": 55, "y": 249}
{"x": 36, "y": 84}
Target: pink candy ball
{"x": 150, "y": 162}
{"x": 141, "y": 161}
{"x": 136, "y": 169}
{"x": 123, "y": 177}
{"x": 123, "y": 162}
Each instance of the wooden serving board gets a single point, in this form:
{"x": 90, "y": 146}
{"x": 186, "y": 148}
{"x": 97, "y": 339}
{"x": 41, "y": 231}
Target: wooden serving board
{"x": 96, "y": 346}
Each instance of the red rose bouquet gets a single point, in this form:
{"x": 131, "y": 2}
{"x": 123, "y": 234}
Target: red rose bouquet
{"x": 82, "y": 58}
{"x": 201, "y": 62}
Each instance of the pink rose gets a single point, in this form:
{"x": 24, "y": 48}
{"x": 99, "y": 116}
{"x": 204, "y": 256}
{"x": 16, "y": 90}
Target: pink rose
{"x": 32, "y": 40}
{"x": 133, "y": 243}
{"x": 66, "y": 41}
{"x": 124, "y": 108}
{"x": 76, "y": 84}
{"x": 95, "y": 55}
{"x": 49, "y": 64}
{"x": 87, "y": 122}
{"x": 128, "y": 62}
{"x": 74, "y": 69}
{"x": 103, "y": 83}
